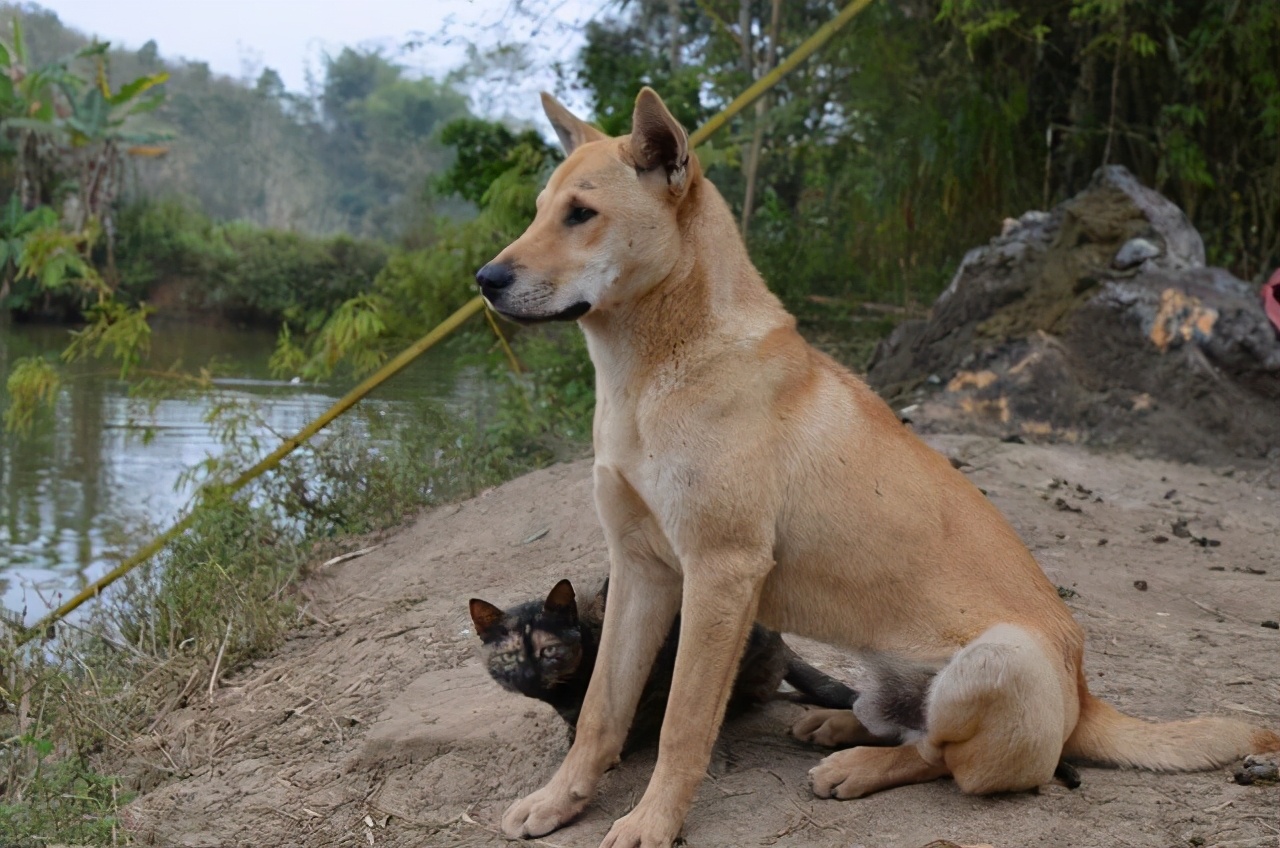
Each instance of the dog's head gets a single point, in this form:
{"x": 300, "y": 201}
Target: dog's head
{"x": 607, "y": 224}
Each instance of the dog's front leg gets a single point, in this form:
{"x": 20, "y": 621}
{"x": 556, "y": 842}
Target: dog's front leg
{"x": 644, "y": 596}
{"x": 721, "y": 596}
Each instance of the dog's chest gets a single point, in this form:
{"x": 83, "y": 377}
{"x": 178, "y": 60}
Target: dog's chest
{"x": 626, "y": 505}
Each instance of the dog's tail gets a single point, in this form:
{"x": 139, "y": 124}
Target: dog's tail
{"x": 815, "y": 687}
{"x": 1106, "y": 736}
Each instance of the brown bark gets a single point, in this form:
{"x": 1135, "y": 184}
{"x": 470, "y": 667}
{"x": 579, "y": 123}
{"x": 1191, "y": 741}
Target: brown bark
{"x": 673, "y": 14}
{"x": 762, "y": 108}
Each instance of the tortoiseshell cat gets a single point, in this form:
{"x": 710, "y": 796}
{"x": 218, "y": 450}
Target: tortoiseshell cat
{"x": 547, "y": 650}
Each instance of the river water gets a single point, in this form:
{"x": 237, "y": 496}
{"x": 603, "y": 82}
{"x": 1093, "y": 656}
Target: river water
{"x": 74, "y": 493}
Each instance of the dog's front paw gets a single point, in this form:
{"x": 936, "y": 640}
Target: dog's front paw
{"x": 642, "y": 829}
{"x": 842, "y": 775}
{"x": 829, "y": 728}
{"x": 542, "y": 812}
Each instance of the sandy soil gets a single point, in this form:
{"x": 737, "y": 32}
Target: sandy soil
{"x": 376, "y": 726}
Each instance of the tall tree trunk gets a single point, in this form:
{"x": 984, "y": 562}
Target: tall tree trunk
{"x": 762, "y": 108}
{"x": 673, "y": 46}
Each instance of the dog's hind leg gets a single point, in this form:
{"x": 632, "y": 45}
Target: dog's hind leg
{"x": 996, "y": 717}
{"x": 999, "y": 713}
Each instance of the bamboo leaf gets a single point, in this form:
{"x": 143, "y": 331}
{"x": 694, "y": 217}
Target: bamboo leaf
{"x": 133, "y": 89}
{"x": 19, "y": 43}
{"x": 33, "y": 383}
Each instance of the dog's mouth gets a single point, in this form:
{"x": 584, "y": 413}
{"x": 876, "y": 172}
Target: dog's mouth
{"x": 573, "y": 313}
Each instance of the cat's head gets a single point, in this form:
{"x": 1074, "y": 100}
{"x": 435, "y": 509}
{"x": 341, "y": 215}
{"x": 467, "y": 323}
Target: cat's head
{"x": 534, "y": 647}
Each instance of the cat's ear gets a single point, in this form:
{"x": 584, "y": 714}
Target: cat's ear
{"x": 485, "y": 616}
{"x": 561, "y": 599}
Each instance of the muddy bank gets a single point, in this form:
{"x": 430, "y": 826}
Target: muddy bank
{"x": 1096, "y": 323}
{"x": 376, "y": 725}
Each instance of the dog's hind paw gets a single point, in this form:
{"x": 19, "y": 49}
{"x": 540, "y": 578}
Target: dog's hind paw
{"x": 856, "y": 772}
{"x": 830, "y": 728}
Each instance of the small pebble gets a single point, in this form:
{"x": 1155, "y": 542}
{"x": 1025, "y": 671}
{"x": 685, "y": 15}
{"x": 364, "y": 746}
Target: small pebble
{"x": 1274, "y": 625}
{"x": 1140, "y": 585}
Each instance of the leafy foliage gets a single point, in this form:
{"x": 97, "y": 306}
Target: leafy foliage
{"x": 65, "y": 801}
{"x": 484, "y": 151}
{"x": 1186, "y": 96}
{"x": 238, "y": 269}
{"x": 32, "y": 383}
{"x": 418, "y": 289}
{"x": 16, "y": 226}
{"x": 921, "y": 126}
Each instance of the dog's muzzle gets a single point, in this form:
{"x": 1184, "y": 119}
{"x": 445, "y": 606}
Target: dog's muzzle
{"x": 495, "y": 278}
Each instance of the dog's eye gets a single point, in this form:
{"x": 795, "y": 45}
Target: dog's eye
{"x": 579, "y": 215}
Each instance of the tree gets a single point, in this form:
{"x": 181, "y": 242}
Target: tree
{"x": 27, "y": 113}
{"x": 101, "y": 131}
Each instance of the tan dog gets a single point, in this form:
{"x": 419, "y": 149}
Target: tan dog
{"x": 746, "y": 475}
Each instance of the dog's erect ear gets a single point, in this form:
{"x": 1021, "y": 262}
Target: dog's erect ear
{"x": 561, "y": 599}
{"x": 572, "y": 130}
{"x": 658, "y": 142}
{"x": 485, "y": 616}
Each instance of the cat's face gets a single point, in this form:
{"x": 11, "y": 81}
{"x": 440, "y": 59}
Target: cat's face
{"x": 531, "y": 648}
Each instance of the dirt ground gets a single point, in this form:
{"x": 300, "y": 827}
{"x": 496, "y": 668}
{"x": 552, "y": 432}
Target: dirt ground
{"x": 376, "y": 726}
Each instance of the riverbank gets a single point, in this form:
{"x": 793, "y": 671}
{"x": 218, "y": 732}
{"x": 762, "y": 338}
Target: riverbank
{"x": 109, "y": 465}
{"x": 374, "y": 724}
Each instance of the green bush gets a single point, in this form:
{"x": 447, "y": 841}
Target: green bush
{"x": 64, "y": 800}
{"x": 239, "y": 269}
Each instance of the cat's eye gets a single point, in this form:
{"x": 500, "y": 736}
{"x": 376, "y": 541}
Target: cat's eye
{"x": 550, "y": 652}
{"x": 579, "y": 215}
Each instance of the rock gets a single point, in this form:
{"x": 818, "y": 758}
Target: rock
{"x": 1097, "y": 323}
{"x": 1135, "y": 252}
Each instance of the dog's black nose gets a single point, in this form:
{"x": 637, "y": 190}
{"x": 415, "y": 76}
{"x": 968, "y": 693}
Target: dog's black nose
{"x": 495, "y": 277}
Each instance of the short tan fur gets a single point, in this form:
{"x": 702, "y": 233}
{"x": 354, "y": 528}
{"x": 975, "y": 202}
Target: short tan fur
{"x": 742, "y": 475}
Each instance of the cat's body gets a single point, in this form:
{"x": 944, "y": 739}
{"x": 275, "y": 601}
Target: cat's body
{"x": 547, "y": 650}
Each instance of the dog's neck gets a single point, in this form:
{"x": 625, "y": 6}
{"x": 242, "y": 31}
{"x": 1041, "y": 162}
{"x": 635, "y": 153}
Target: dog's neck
{"x": 712, "y": 295}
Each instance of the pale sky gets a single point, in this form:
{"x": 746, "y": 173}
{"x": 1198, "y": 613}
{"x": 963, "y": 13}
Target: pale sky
{"x": 239, "y": 37}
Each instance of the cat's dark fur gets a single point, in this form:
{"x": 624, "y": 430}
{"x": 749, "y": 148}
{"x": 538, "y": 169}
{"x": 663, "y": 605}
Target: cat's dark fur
{"x": 547, "y": 650}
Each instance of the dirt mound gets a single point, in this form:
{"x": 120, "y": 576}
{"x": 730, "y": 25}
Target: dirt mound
{"x": 377, "y": 725}
{"x": 1096, "y": 323}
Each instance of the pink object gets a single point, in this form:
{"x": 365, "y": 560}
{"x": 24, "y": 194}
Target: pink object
{"x": 1271, "y": 299}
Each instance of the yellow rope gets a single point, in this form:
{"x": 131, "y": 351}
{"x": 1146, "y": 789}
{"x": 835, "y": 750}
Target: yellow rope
{"x": 502, "y": 340}
{"x": 395, "y": 366}
{"x": 810, "y": 46}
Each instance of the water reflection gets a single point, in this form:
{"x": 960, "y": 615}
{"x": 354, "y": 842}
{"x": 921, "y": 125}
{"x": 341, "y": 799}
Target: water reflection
{"x": 74, "y": 493}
